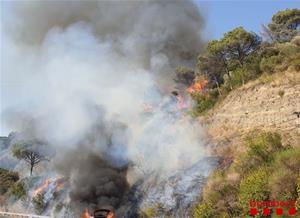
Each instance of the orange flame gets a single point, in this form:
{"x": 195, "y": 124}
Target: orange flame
{"x": 110, "y": 215}
{"x": 86, "y": 214}
{"x": 42, "y": 188}
{"x": 197, "y": 86}
{"x": 58, "y": 186}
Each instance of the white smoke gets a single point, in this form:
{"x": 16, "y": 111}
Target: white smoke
{"x": 65, "y": 58}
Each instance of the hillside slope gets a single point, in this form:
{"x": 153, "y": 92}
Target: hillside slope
{"x": 268, "y": 103}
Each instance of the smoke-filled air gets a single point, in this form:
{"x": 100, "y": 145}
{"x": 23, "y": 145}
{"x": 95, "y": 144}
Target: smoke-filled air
{"x": 93, "y": 80}
{"x": 126, "y": 108}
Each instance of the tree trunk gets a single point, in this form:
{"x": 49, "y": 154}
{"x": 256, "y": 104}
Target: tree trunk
{"x": 218, "y": 86}
{"x": 31, "y": 169}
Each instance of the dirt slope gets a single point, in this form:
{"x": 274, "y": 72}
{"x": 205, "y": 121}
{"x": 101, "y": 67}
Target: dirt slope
{"x": 268, "y": 103}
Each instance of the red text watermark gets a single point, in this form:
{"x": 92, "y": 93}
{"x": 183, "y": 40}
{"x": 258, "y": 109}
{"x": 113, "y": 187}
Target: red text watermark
{"x": 267, "y": 207}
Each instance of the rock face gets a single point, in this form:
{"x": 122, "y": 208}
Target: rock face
{"x": 173, "y": 195}
{"x": 268, "y": 103}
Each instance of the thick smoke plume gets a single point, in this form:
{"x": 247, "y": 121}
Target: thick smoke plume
{"x": 81, "y": 72}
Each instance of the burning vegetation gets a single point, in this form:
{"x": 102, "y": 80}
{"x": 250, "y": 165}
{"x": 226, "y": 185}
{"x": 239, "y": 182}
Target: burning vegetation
{"x": 51, "y": 185}
{"x": 197, "y": 86}
{"x": 113, "y": 58}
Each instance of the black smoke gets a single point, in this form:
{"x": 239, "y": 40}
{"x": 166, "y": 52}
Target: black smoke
{"x": 96, "y": 169}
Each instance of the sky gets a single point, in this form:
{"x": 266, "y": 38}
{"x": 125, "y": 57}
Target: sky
{"x": 224, "y": 15}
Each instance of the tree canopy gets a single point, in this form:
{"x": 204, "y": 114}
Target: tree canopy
{"x": 29, "y": 153}
{"x": 227, "y": 54}
{"x": 285, "y": 25}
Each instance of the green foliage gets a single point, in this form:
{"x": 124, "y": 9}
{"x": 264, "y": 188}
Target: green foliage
{"x": 267, "y": 170}
{"x": 7, "y": 180}
{"x": 227, "y": 54}
{"x": 286, "y": 168}
{"x": 295, "y": 62}
{"x": 18, "y": 149}
{"x": 240, "y": 56}
{"x": 254, "y": 186}
{"x": 39, "y": 203}
{"x": 151, "y": 211}
{"x": 18, "y": 189}
{"x": 205, "y": 101}
{"x": 264, "y": 145}
{"x": 282, "y": 184}
{"x": 220, "y": 198}
{"x": 203, "y": 210}
{"x": 269, "y": 64}
{"x": 288, "y": 159}
{"x": 284, "y": 25}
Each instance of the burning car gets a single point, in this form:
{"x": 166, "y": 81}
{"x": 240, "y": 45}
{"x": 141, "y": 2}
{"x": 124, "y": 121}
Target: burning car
{"x": 98, "y": 213}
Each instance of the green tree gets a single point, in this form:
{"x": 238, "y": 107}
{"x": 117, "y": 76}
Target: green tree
{"x": 28, "y": 153}
{"x": 239, "y": 44}
{"x": 285, "y": 25}
{"x": 7, "y": 180}
{"x": 39, "y": 203}
{"x": 18, "y": 189}
{"x": 227, "y": 54}
{"x": 212, "y": 68}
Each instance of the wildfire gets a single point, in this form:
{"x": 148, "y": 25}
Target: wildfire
{"x": 42, "y": 188}
{"x": 197, "y": 86}
{"x": 58, "y": 183}
{"x": 86, "y": 214}
{"x": 104, "y": 213}
{"x": 60, "y": 186}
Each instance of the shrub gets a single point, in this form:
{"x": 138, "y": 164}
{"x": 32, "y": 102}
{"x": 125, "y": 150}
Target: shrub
{"x": 246, "y": 163}
{"x": 151, "y": 211}
{"x": 281, "y": 93}
{"x": 7, "y": 180}
{"x": 289, "y": 160}
{"x": 18, "y": 189}
{"x": 203, "y": 210}
{"x": 294, "y": 62}
{"x": 238, "y": 78}
{"x": 39, "y": 203}
{"x": 283, "y": 184}
{"x": 269, "y": 64}
{"x": 220, "y": 193}
{"x": 265, "y": 144}
{"x": 254, "y": 186}
{"x": 205, "y": 101}
{"x": 298, "y": 191}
